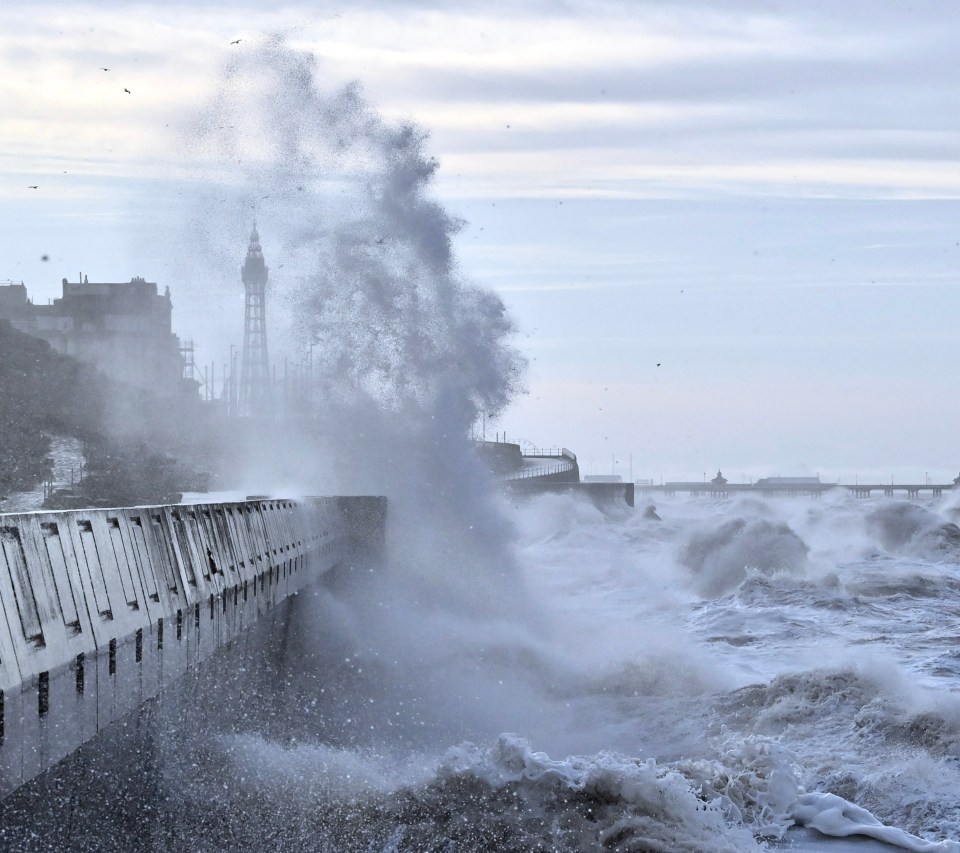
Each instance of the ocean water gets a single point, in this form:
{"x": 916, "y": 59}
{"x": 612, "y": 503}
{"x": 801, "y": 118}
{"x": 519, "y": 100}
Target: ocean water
{"x": 793, "y": 662}
{"x": 735, "y": 676}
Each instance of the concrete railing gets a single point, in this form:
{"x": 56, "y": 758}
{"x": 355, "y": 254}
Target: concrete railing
{"x": 100, "y": 608}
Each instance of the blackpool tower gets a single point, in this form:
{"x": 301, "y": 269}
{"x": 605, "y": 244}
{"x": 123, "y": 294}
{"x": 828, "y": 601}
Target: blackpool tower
{"x": 256, "y": 399}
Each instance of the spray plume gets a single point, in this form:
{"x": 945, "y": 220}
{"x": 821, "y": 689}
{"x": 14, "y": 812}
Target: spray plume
{"x": 406, "y": 352}
{"x": 369, "y": 276}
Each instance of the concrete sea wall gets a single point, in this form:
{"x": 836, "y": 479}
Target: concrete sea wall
{"x": 100, "y": 608}
{"x": 602, "y": 494}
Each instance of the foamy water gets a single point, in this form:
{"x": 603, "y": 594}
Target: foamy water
{"x": 802, "y": 648}
{"x": 739, "y": 676}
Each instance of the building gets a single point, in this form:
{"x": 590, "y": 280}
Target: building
{"x": 122, "y": 328}
{"x": 789, "y": 482}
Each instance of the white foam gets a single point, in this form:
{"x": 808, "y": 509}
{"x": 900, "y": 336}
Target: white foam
{"x": 658, "y": 800}
{"x": 833, "y": 815}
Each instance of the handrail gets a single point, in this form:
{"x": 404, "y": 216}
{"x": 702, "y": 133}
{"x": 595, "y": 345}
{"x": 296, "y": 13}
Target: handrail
{"x": 530, "y": 450}
{"x": 548, "y": 453}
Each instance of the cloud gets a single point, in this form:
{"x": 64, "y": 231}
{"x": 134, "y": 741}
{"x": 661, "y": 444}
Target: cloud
{"x": 610, "y": 99}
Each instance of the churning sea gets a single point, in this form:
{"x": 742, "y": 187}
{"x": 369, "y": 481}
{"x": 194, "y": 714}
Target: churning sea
{"x": 731, "y": 675}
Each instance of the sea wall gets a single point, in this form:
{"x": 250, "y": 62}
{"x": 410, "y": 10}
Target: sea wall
{"x": 500, "y": 457}
{"x": 602, "y": 494}
{"x": 100, "y": 608}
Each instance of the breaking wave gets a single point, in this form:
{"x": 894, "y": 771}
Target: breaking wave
{"x": 911, "y": 530}
{"x": 721, "y": 557}
{"x": 506, "y": 796}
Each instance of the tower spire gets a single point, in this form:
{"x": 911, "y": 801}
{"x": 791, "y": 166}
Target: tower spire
{"x": 256, "y": 398}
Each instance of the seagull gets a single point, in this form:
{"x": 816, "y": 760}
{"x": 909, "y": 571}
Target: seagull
{"x": 237, "y": 41}
{"x": 128, "y": 91}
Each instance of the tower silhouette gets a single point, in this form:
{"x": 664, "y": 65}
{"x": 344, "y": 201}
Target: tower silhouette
{"x": 256, "y": 398}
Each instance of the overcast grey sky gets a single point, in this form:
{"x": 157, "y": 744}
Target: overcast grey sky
{"x": 759, "y": 197}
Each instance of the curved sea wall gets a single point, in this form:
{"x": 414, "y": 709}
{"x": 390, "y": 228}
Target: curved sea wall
{"x": 501, "y": 458}
{"x": 100, "y": 608}
{"x": 602, "y": 494}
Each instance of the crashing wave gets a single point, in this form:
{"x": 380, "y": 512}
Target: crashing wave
{"x": 721, "y": 557}
{"x": 911, "y": 530}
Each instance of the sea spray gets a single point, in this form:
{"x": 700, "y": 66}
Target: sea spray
{"x": 407, "y": 353}
{"x": 368, "y": 271}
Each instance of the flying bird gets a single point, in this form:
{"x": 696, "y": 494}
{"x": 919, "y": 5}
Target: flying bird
{"x": 237, "y": 41}
{"x": 33, "y": 187}
{"x": 104, "y": 69}
{"x": 128, "y": 91}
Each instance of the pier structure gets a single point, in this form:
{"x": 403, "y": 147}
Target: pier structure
{"x": 810, "y": 489}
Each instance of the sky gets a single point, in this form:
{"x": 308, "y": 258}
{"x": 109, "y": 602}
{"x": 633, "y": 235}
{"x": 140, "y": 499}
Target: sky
{"x": 728, "y": 233}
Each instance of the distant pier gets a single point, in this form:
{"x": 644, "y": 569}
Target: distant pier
{"x": 814, "y": 489}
